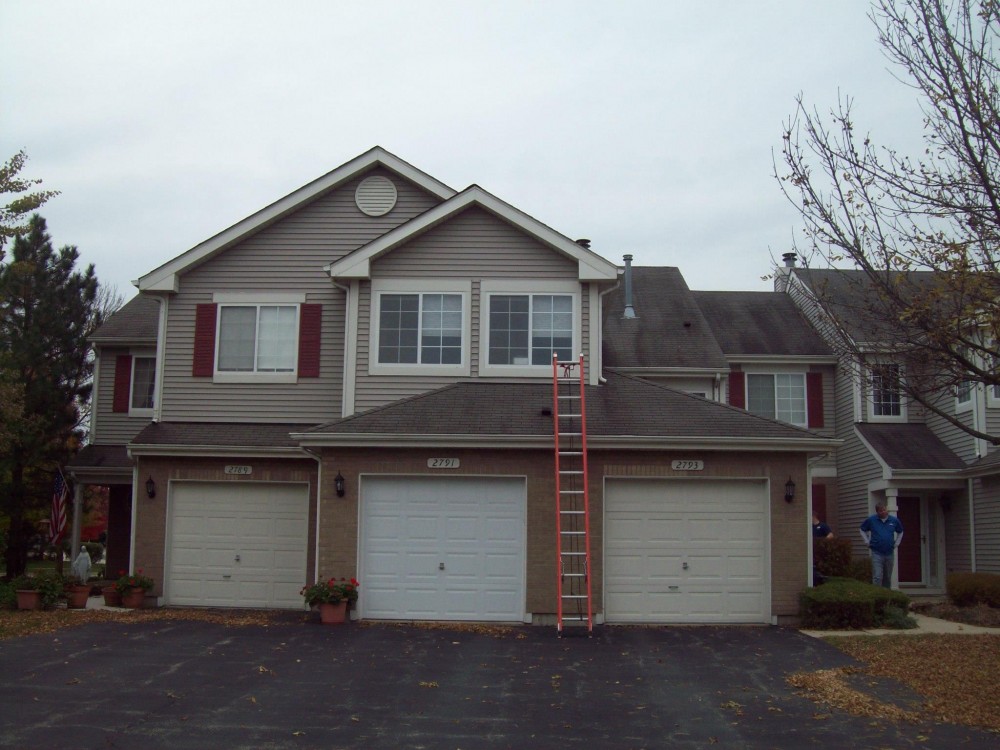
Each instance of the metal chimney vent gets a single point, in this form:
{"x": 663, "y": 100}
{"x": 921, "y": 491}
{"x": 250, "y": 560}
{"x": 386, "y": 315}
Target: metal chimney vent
{"x": 376, "y": 196}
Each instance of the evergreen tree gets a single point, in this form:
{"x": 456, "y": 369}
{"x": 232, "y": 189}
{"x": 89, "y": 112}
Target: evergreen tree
{"x": 47, "y": 310}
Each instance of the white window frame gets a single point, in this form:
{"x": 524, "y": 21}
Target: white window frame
{"x": 420, "y": 287}
{"x": 870, "y": 394}
{"x": 132, "y": 410}
{"x": 774, "y": 371}
{"x": 257, "y": 299}
{"x": 522, "y": 287}
{"x": 965, "y": 394}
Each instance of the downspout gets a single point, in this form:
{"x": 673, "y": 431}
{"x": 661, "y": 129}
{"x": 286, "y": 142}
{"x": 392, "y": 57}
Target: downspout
{"x": 350, "y": 355}
{"x": 319, "y": 493}
{"x": 600, "y": 327}
{"x": 972, "y": 522}
{"x": 161, "y": 343}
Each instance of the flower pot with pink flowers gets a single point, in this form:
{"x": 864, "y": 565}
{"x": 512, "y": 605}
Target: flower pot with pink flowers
{"x": 332, "y": 597}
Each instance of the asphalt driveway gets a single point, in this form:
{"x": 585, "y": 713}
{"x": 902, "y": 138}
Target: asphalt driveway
{"x": 177, "y": 684}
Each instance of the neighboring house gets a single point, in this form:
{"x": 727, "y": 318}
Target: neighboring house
{"x": 357, "y": 381}
{"x": 943, "y": 484}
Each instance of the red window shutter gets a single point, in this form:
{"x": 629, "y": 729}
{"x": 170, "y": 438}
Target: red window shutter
{"x": 310, "y": 320}
{"x": 737, "y": 389}
{"x": 123, "y": 383}
{"x": 203, "y": 360}
{"x": 814, "y": 398}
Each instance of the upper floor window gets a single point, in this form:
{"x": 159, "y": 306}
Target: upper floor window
{"x": 526, "y": 323}
{"x": 778, "y": 396}
{"x": 143, "y": 384}
{"x": 886, "y": 393}
{"x": 527, "y": 329}
{"x": 417, "y": 331}
{"x": 257, "y": 338}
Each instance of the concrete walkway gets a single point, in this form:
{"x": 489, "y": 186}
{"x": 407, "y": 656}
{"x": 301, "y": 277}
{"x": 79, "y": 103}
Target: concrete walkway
{"x": 925, "y": 626}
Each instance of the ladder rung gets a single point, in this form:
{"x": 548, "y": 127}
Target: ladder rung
{"x": 568, "y": 416}
{"x": 566, "y": 471}
{"x": 569, "y": 398}
{"x": 573, "y": 533}
{"x": 570, "y": 492}
{"x": 574, "y": 575}
{"x": 572, "y": 512}
{"x": 574, "y": 554}
{"x": 570, "y": 434}
{"x": 570, "y": 453}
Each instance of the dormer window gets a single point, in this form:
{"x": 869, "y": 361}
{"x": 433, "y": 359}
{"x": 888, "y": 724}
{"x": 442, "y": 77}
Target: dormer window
{"x": 885, "y": 392}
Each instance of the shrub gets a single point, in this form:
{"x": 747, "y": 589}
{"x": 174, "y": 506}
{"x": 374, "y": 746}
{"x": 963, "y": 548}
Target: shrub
{"x": 847, "y": 604}
{"x": 861, "y": 569}
{"x": 8, "y": 596}
{"x": 970, "y": 589}
{"x": 832, "y": 557}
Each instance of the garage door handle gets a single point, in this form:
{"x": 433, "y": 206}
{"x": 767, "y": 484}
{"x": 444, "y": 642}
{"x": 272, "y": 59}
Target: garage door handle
{"x": 684, "y": 565}
{"x": 440, "y": 566}
{"x": 237, "y": 559}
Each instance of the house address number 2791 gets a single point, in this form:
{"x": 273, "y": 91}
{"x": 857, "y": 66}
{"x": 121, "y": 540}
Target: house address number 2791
{"x": 442, "y": 463}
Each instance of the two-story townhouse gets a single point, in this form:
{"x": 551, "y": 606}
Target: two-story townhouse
{"x": 357, "y": 381}
{"x": 752, "y": 350}
{"x": 943, "y": 484}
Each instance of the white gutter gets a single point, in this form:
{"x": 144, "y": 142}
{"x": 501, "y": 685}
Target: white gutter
{"x": 600, "y": 330}
{"x": 319, "y": 492}
{"x": 972, "y": 524}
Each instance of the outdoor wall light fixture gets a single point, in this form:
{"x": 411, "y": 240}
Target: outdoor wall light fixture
{"x": 150, "y": 488}
{"x": 789, "y": 490}
{"x": 339, "y": 484}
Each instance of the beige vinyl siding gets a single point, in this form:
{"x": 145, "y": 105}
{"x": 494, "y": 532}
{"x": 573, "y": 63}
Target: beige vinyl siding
{"x": 958, "y": 552}
{"x": 287, "y": 256}
{"x": 109, "y": 427}
{"x": 959, "y": 441}
{"x": 475, "y": 243}
{"x": 855, "y": 468}
{"x": 987, "y": 510}
{"x": 472, "y": 245}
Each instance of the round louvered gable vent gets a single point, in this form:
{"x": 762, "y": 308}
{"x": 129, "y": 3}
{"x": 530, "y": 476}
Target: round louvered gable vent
{"x": 376, "y": 196}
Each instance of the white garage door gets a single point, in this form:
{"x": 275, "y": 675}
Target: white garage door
{"x": 237, "y": 544}
{"x": 442, "y": 548}
{"x": 686, "y": 551}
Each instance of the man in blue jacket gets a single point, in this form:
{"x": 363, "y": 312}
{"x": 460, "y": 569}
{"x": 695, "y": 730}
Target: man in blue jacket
{"x": 882, "y": 533}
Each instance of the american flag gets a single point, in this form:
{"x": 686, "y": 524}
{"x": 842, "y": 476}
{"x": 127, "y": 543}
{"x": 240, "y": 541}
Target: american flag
{"x": 57, "y": 523}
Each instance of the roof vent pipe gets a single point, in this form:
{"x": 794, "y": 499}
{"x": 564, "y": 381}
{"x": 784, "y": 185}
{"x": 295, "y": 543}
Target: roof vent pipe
{"x": 789, "y": 259}
{"x": 629, "y": 310}
{"x": 584, "y": 243}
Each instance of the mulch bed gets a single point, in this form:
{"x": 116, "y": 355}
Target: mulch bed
{"x": 981, "y": 614}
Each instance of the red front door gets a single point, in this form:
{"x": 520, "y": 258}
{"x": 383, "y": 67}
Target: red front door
{"x": 910, "y": 552}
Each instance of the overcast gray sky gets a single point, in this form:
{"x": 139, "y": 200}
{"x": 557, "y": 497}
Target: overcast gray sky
{"x": 648, "y": 127}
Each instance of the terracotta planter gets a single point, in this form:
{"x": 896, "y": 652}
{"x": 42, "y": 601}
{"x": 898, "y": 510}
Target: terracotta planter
{"x": 29, "y": 599}
{"x": 333, "y": 614}
{"x": 133, "y": 598}
{"x": 76, "y": 597}
{"x": 112, "y": 597}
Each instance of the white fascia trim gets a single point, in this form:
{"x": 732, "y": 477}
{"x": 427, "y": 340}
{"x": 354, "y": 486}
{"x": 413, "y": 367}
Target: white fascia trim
{"x": 590, "y": 266}
{"x": 545, "y": 442}
{"x": 641, "y": 372}
{"x": 784, "y": 360}
{"x": 212, "y": 451}
{"x": 165, "y": 278}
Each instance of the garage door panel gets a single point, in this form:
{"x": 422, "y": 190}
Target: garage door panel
{"x": 685, "y": 551}
{"x": 474, "y": 527}
{"x": 264, "y": 525}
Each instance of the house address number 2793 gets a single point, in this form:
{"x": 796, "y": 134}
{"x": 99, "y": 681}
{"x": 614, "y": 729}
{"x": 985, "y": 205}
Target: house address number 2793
{"x": 687, "y": 465}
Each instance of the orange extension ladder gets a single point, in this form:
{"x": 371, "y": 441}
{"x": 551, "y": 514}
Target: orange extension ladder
{"x": 569, "y": 416}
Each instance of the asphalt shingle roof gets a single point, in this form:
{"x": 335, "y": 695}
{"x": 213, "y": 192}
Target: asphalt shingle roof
{"x": 759, "y": 323}
{"x": 101, "y": 457}
{"x": 669, "y": 330}
{"x": 909, "y": 446}
{"x": 624, "y": 406}
{"x": 235, "y": 435}
{"x": 137, "y": 320}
